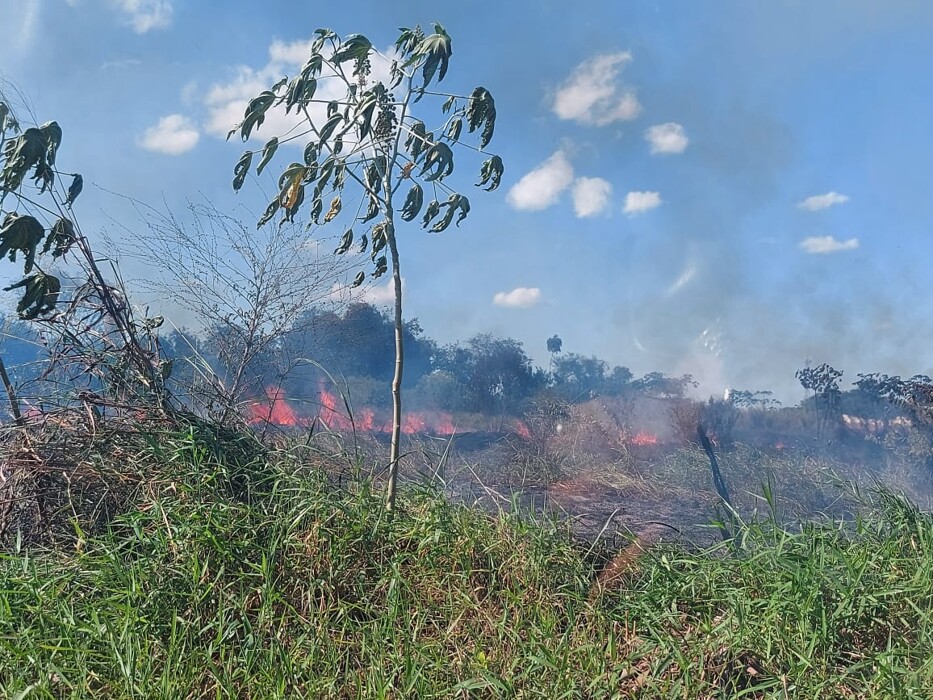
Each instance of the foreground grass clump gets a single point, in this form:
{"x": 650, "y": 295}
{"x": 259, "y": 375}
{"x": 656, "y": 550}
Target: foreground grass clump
{"x": 286, "y": 588}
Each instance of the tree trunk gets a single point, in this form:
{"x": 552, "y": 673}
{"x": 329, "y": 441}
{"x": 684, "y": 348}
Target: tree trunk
{"x": 397, "y": 376}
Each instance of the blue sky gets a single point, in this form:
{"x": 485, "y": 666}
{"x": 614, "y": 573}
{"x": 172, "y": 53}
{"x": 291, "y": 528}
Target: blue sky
{"x": 723, "y": 188}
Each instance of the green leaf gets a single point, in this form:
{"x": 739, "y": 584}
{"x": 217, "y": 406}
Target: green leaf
{"x": 317, "y": 206}
{"x": 482, "y": 112}
{"x": 300, "y": 92}
{"x": 434, "y": 208}
{"x": 267, "y": 152}
{"x": 365, "y": 109}
{"x": 381, "y": 267}
{"x": 355, "y": 46}
{"x": 329, "y": 127}
{"x": 255, "y": 113}
{"x": 269, "y": 213}
{"x": 380, "y": 239}
{"x": 491, "y": 173}
{"x": 62, "y": 236}
{"x": 408, "y": 40}
{"x": 417, "y": 141}
{"x": 358, "y": 280}
{"x": 311, "y": 152}
{"x": 454, "y": 129}
{"x": 53, "y": 139}
{"x": 21, "y": 154}
{"x": 456, "y": 203}
{"x": 241, "y": 169}
{"x": 40, "y": 295}
{"x": 345, "y": 242}
{"x": 20, "y": 233}
{"x": 438, "y": 162}
{"x": 448, "y": 104}
{"x": 436, "y": 50}
{"x": 372, "y": 211}
{"x": 413, "y": 203}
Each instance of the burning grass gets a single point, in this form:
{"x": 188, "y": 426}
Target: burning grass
{"x": 296, "y": 589}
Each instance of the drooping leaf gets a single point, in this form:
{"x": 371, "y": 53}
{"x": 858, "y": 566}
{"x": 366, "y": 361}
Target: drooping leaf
{"x": 417, "y": 141}
{"x": 53, "y": 138}
{"x": 329, "y": 127}
{"x": 345, "y": 242}
{"x": 380, "y": 239}
{"x": 21, "y": 154}
{"x": 292, "y": 201}
{"x": 300, "y": 92}
{"x": 241, "y": 169}
{"x": 311, "y": 152}
{"x": 255, "y": 113}
{"x": 491, "y": 173}
{"x": 269, "y": 213}
{"x": 434, "y": 208}
{"x": 334, "y": 210}
{"x": 436, "y": 51}
{"x": 20, "y": 233}
{"x": 61, "y": 236}
{"x": 381, "y": 267}
{"x": 358, "y": 280}
{"x": 413, "y": 203}
{"x": 355, "y": 46}
{"x": 456, "y": 203}
{"x": 364, "y": 243}
{"x": 74, "y": 189}
{"x": 364, "y": 111}
{"x": 340, "y": 174}
{"x": 482, "y": 112}
{"x": 267, "y": 152}
{"x": 454, "y": 129}
{"x": 438, "y": 162}
{"x": 408, "y": 40}
{"x": 41, "y": 292}
{"x": 373, "y": 177}
{"x": 448, "y": 104}
{"x": 317, "y": 206}
{"x": 372, "y": 210}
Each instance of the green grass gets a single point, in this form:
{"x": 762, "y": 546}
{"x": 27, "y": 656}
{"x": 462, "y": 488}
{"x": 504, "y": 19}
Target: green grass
{"x": 288, "y": 588}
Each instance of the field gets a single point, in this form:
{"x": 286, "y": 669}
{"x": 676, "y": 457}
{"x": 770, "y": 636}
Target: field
{"x": 203, "y": 568}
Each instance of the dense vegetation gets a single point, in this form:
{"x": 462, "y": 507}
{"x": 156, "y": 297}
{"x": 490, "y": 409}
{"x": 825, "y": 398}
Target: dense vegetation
{"x": 289, "y": 587}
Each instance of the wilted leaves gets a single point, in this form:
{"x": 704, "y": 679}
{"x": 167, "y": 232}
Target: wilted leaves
{"x": 40, "y": 295}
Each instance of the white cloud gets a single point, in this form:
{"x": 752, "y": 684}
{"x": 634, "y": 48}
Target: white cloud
{"x": 820, "y": 245}
{"x": 541, "y": 187}
{"x": 822, "y": 201}
{"x": 380, "y": 295}
{"x": 591, "y": 96}
{"x": 520, "y": 297}
{"x": 173, "y": 135}
{"x": 667, "y": 138}
{"x": 590, "y": 196}
{"x": 146, "y": 15}
{"x": 638, "y": 202}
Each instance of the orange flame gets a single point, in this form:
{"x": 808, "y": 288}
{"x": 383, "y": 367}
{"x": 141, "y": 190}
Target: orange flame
{"x": 643, "y": 439}
{"x": 275, "y": 409}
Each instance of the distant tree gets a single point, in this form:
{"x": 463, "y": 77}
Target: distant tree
{"x": 371, "y": 139}
{"x": 823, "y": 381}
{"x": 658, "y": 385}
{"x": 495, "y": 374}
{"x": 577, "y": 378}
{"x": 554, "y": 346}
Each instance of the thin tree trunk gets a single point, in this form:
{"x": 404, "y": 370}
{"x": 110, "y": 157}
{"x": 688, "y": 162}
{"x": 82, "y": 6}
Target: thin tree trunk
{"x": 11, "y": 393}
{"x": 397, "y": 376}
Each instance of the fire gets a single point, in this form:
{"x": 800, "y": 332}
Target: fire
{"x": 643, "y": 439}
{"x": 274, "y": 409}
{"x": 521, "y": 429}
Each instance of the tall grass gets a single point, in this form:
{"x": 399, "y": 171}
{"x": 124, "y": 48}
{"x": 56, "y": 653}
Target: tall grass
{"x": 276, "y": 585}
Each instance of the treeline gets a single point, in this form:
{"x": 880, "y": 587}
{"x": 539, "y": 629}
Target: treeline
{"x": 483, "y": 374}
